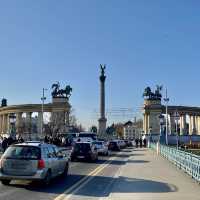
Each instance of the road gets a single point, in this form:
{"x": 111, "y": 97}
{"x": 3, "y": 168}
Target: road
{"x": 85, "y": 181}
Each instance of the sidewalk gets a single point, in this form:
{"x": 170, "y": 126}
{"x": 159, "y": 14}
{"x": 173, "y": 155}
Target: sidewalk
{"x": 147, "y": 176}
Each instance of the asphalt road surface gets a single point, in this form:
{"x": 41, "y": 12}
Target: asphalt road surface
{"x": 85, "y": 181}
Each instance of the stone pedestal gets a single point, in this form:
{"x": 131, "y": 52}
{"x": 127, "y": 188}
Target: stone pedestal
{"x": 102, "y": 126}
{"x": 152, "y": 109}
{"x": 60, "y": 114}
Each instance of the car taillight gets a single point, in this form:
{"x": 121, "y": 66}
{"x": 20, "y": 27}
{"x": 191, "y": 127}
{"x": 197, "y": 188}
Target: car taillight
{"x": 41, "y": 164}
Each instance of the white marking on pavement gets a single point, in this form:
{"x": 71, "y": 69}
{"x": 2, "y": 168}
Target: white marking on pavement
{"x": 81, "y": 183}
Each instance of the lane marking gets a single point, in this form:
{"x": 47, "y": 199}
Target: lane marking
{"x": 82, "y": 182}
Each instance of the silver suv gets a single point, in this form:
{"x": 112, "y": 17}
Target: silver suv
{"x": 34, "y": 161}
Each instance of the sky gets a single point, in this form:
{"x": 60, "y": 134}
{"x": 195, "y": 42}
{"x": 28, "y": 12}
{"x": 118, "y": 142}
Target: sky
{"x": 143, "y": 43}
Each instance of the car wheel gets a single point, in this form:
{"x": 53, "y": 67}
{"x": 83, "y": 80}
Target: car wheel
{"x": 65, "y": 172}
{"x": 5, "y": 182}
{"x": 47, "y": 179}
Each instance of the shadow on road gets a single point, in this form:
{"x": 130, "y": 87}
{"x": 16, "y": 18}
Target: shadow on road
{"x": 138, "y": 161}
{"x": 97, "y": 186}
{"x": 113, "y": 162}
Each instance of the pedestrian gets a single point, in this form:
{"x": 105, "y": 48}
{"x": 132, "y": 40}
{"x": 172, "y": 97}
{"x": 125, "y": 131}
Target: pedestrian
{"x": 20, "y": 139}
{"x": 4, "y": 144}
{"x": 136, "y": 142}
{"x": 140, "y": 141}
{"x": 46, "y": 139}
{"x": 145, "y": 142}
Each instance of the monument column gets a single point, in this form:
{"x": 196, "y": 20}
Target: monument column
{"x": 102, "y": 120}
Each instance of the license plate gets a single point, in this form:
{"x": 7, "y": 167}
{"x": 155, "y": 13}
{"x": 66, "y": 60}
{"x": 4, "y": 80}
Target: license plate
{"x": 81, "y": 156}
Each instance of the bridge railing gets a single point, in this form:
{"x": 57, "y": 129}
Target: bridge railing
{"x": 188, "y": 162}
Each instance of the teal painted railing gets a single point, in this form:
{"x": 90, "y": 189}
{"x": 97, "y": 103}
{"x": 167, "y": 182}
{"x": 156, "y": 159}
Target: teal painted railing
{"x": 188, "y": 162}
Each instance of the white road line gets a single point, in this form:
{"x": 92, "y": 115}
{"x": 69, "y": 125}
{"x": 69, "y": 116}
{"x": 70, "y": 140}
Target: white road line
{"x": 81, "y": 183}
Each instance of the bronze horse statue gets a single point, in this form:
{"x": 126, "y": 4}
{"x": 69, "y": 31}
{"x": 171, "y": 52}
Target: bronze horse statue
{"x": 57, "y": 92}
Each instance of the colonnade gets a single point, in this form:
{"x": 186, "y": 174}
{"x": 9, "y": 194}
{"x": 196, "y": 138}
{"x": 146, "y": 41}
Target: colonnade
{"x": 5, "y": 122}
{"x": 151, "y": 123}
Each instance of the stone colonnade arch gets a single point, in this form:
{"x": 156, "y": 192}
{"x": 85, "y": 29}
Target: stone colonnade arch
{"x": 189, "y": 122}
{"x": 59, "y": 107}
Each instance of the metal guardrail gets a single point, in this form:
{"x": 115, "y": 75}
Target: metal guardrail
{"x": 185, "y": 161}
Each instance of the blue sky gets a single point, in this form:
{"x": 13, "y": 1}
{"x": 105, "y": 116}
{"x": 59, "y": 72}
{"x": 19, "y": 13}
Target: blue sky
{"x": 142, "y": 42}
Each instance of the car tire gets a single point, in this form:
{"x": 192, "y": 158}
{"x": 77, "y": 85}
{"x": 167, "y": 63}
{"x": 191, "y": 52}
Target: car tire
{"x": 46, "y": 181}
{"x": 65, "y": 172}
{"x": 5, "y": 182}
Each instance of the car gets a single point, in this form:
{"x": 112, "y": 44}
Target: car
{"x": 102, "y": 148}
{"x": 84, "y": 150}
{"x": 128, "y": 143}
{"x": 35, "y": 161}
{"x": 114, "y": 146}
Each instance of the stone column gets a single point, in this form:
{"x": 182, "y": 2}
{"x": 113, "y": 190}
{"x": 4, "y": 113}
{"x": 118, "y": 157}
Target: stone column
{"x": 146, "y": 123}
{"x": 172, "y": 123}
{"x": 190, "y": 124}
{"x": 198, "y": 119}
{"x": 67, "y": 118}
{"x": 0, "y": 124}
{"x": 39, "y": 123}
{"x": 197, "y": 124}
{"x": 193, "y": 124}
{"x": 182, "y": 124}
{"x": 2, "y": 127}
{"x": 5, "y": 123}
{"x": 28, "y": 122}
{"x": 18, "y": 123}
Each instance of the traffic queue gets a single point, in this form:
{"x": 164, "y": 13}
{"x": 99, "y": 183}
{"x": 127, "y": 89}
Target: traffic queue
{"x": 40, "y": 161}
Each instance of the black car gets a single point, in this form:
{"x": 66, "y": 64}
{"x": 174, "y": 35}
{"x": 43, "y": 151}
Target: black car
{"x": 114, "y": 146}
{"x": 84, "y": 150}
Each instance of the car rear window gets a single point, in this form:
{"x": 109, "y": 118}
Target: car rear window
{"x": 99, "y": 143}
{"x": 82, "y": 146}
{"x": 23, "y": 152}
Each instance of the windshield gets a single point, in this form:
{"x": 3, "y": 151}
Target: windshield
{"x": 88, "y": 135}
{"x": 22, "y": 152}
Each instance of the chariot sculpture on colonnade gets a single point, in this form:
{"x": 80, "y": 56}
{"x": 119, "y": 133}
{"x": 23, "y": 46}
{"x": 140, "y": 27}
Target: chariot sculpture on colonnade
{"x": 188, "y": 122}
{"x": 57, "y": 92}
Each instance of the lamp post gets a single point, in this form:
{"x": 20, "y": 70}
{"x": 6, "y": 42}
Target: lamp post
{"x": 161, "y": 118}
{"x": 166, "y": 99}
{"x": 43, "y": 99}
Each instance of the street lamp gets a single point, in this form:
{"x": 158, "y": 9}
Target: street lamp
{"x": 166, "y": 99}
{"x": 43, "y": 99}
